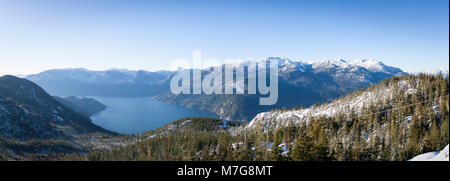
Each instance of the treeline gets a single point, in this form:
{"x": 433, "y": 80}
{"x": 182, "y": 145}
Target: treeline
{"x": 405, "y": 124}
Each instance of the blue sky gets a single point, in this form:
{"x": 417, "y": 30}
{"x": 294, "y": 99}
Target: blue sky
{"x": 36, "y": 35}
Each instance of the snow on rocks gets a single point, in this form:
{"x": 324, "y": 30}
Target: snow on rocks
{"x": 433, "y": 156}
{"x": 352, "y": 103}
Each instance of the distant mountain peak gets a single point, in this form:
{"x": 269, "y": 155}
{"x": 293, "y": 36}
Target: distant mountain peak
{"x": 124, "y": 70}
{"x": 376, "y": 66}
{"x": 288, "y": 65}
{"x": 330, "y": 63}
{"x": 364, "y": 61}
{"x": 337, "y": 61}
{"x": 281, "y": 60}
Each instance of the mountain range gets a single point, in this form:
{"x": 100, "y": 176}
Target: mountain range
{"x": 112, "y": 82}
{"x": 300, "y": 84}
{"x": 395, "y": 119}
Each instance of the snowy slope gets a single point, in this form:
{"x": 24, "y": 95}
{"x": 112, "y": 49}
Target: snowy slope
{"x": 442, "y": 156}
{"x": 354, "y": 102}
{"x": 433, "y": 156}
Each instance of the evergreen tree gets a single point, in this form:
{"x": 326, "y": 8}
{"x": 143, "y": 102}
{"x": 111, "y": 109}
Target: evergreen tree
{"x": 303, "y": 149}
{"x": 276, "y": 150}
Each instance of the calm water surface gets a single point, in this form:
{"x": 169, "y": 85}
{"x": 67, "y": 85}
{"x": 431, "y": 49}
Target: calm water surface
{"x": 138, "y": 114}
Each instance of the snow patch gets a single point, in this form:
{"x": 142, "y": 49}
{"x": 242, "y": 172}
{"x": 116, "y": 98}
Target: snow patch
{"x": 433, "y": 156}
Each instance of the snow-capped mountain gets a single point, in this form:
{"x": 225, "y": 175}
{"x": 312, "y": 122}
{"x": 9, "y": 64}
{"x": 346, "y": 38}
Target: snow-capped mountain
{"x": 350, "y": 104}
{"x": 300, "y": 83}
{"x": 112, "y": 82}
{"x": 401, "y": 117}
{"x": 110, "y": 76}
{"x": 370, "y": 65}
{"x": 286, "y": 65}
{"x": 375, "y": 66}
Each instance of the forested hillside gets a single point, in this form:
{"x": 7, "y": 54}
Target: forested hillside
{"x": 85, "y": 106}
{"x": 403, "y": 117}
{"x": 34, "y": 124}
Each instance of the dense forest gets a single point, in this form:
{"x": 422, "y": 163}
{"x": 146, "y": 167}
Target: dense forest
{"x": 395, "y": 129}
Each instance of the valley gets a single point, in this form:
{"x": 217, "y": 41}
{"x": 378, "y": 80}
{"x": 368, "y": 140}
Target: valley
{"x": 330, "y": 110}
{"x": 300, "y": 84}
{"x": 395, "y": 125}
{"x": 368, "y": 124}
